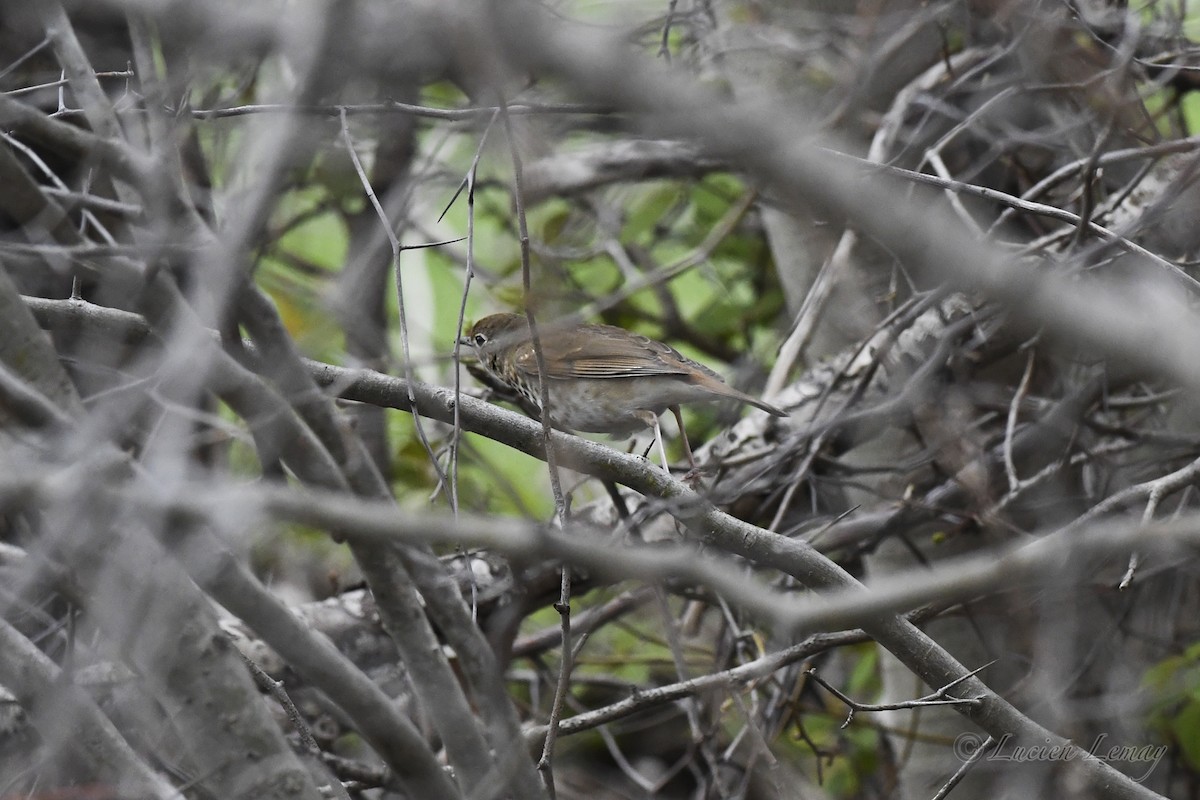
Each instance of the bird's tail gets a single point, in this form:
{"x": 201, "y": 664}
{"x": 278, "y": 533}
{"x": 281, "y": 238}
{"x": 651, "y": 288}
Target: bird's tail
{"x": 765, "y": 406}
{"x": 722, "y": 388}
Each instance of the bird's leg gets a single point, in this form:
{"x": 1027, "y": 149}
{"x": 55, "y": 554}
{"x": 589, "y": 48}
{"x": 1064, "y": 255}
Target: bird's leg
{"x": 662, "y": 450}
{"x": 650, "y": 419}
{"x": 687, "y": 447}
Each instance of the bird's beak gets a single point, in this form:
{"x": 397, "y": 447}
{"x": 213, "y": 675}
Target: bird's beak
{"x": 465, "y": 341}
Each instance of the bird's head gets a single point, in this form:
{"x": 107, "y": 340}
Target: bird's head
{"x": 495, "y": 333}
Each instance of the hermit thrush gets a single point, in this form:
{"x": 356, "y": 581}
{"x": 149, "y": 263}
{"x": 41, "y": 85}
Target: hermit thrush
{"x": 602, "y": 379}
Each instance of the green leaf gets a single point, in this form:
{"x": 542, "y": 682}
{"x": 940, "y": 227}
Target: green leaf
{"x": 1186, "y": 728}
{"x": 864, "y": 677}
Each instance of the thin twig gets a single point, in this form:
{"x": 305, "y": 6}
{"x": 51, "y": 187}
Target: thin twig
{"x": 469, "y": 182}
{"x": 964, "y": 768}
{"x": 937, "y": 698}
{"x": 1010, "y": 426}
{"x": 560, "y": 503}
{"x": 394, "y": 241}
{"x": 393, "y": 107}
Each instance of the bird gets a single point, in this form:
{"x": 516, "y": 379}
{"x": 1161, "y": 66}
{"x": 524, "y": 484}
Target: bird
{"x": 602, "y": 379}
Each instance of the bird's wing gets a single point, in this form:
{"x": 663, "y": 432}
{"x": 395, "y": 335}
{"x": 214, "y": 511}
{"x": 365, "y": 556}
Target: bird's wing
{"x": 602, "y": 352}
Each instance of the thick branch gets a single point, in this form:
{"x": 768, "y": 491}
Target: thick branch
{"x": 65, "y": 715}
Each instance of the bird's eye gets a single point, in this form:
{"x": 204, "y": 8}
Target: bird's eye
{"x": 480, "y": 340}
